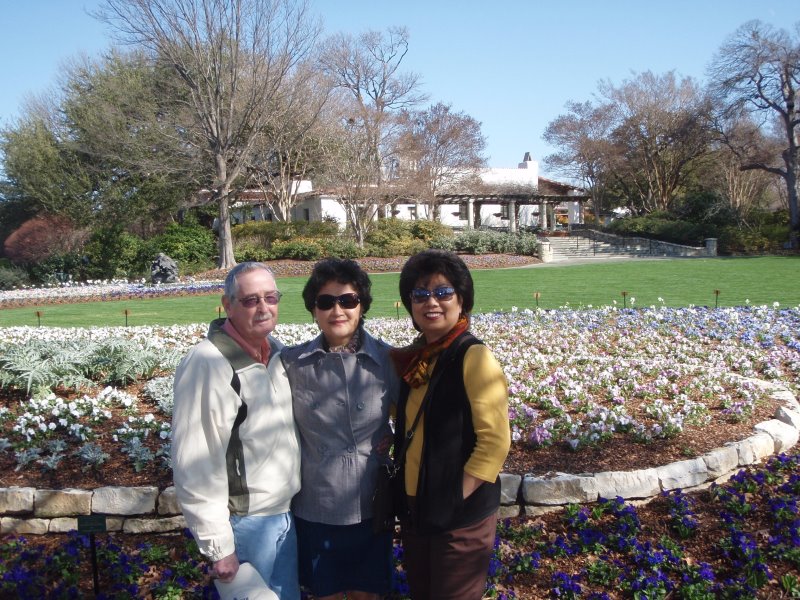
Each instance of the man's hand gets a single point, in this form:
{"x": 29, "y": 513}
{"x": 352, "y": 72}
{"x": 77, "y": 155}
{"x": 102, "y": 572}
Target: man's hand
{"x": 225, "y": 568}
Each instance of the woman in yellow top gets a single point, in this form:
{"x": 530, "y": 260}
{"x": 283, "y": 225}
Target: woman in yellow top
{"x": 454, "y": 403}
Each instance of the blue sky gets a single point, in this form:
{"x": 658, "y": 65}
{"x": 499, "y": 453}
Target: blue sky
{"x": 510, "y": 65}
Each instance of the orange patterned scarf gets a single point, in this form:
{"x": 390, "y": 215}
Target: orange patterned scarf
{"x": 412, "y": 363}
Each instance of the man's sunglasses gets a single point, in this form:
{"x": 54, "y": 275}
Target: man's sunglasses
{"x": 250, "y": 301}
{"x": 326, "y": 301}
{"x": 420, "y": 295}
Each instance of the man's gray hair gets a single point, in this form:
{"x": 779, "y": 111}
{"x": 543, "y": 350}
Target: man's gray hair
{"x": 231, "y": 285}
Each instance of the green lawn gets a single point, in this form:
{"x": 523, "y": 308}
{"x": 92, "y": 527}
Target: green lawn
{"x": 680, "y": 282}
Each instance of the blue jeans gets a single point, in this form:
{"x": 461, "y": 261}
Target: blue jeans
{"x": 270, "y": 545}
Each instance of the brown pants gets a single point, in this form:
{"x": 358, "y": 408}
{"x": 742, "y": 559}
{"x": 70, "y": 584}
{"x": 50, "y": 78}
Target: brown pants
{"x": 450, "y": 565}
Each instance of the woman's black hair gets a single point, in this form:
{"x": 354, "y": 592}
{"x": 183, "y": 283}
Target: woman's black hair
{"x": 341, "y": 270}
{"x": 426, "y": 264}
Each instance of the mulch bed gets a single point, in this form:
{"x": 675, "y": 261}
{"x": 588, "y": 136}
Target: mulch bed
{"x": 372, "y": 264}
{"x": 622, "y": 453}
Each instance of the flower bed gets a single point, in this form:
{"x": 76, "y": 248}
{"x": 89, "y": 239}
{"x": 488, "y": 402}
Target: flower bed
{"x": 578, "y": 379}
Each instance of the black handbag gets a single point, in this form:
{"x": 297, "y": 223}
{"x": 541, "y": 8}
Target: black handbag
{"x": 384, "y": 505}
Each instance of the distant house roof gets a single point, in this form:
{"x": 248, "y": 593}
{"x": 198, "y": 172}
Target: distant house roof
{"x": 556, "y": 188}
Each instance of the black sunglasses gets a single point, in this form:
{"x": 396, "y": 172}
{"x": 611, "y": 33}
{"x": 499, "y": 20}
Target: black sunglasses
{"x": 420, "y": 295}
{"x": 326, "y": 301}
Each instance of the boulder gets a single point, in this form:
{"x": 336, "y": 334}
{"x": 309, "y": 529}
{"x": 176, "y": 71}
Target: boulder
{"x": 163, "y": 269}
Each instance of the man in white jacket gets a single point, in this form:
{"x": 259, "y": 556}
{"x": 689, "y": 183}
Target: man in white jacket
{"x": 235, "y": 451}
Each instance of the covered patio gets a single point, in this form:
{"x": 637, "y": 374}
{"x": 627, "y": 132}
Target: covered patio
{"x": 510, "y": 204}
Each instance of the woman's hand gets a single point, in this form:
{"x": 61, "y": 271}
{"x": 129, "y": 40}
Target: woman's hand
{"x": 469, "y": 484}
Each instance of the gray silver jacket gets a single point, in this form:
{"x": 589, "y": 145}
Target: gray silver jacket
{"x": 341, "y": 406}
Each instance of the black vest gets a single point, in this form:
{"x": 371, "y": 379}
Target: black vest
{"x": 449, "y": 439}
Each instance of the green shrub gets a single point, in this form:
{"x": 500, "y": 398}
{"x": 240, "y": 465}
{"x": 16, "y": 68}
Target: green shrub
{"x": 200, "y": 266}
{"x": 400, "y": 247}
{"x": 706, "y": 208}
{"x": 112, "y": 253}
{"x": 186, "y": 243}
{"x": 387, "y": 236}
{"x": 248, "y": 250}
{"x": 385, "y": 232}
{"x": 342, "y": 248}
{"x": 258, "y": 229}
{"x": 777, "y": 233}
{"x": 57, "y": 268}
{"x": 407, "y": 248}
{"x": 300, "y": 249}
{"x": 658, "y": 227}
{"x": 735, "y": 240}
{"x": 398, "y": 237}
{"x": 473, "y": 241}
{"x": 12, "y": 277}
{"x": 444, "y": 243}
{"x": 525, "y": 244}
{"x": 427, "y": 231}
{"x": 381, "y": 251}
{"x": 326, "y": 228}
{"x": 269, "y": 232}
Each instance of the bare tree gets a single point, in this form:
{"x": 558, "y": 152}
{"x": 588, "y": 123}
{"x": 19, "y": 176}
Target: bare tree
{"x": 757, "y": 71}
{"x": 439, "y": 150}
{"x": 660, "y": 128}
{"x": 582, "y": 137}
{"x": 349, "y": 168}
{"x": 235, "y": 58}
{"x": 741, "y": 191}
{"x": 291, "y": 149}
{"x": 367, "y": 70}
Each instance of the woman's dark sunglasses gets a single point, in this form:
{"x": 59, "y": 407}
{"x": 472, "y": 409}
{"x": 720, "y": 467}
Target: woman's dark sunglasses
{"x": 326, "y": 301}
{"x": 420, "y": 295}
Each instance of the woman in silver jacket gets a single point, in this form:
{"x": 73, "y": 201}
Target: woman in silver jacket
{"x": 343, "y": 386}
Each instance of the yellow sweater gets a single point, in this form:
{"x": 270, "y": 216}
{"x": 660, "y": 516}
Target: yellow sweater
{"x": 487, "y": 391}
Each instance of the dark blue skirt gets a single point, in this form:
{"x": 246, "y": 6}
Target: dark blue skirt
{"x": 338, "y": 558}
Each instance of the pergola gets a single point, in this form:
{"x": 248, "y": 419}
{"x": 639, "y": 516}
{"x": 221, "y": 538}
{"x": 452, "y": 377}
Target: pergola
{"x": 513, "y": 201}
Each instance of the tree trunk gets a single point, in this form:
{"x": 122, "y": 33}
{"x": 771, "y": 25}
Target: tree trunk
{"x": 794, "y": 217}
{"x": 792, "y": 181}
{"x": 477, "y": 215}
{"x": 225, "y": 245}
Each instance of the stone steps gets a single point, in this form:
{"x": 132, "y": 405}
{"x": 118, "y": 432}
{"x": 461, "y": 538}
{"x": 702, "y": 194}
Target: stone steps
{"x": 580, "y": 247}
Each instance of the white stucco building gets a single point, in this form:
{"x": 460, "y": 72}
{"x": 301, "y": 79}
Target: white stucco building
{"x": 521, "y": 199}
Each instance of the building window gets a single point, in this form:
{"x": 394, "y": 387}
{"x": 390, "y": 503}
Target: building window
{"x": 463, "y": 212}
{"x": 412, "y": 212}
{"x": 504, "y": 211}
{"x": 306, "y": 214}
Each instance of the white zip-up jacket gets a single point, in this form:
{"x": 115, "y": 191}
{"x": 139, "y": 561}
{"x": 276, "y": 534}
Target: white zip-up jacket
{"x": 217, "y": 472}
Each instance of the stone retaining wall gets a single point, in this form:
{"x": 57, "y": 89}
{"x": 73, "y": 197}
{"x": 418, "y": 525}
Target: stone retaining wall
{"x": 28, "y": 511}
{"x": 651, "y": 247}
